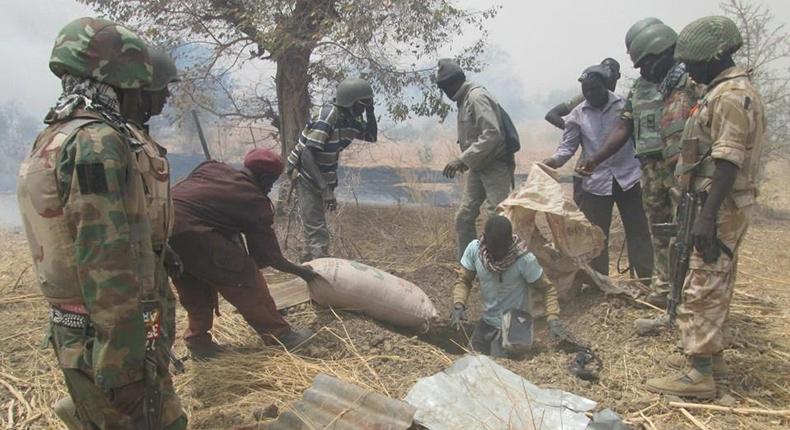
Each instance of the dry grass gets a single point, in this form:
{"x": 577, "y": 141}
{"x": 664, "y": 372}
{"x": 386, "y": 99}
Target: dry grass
{"x": 418, "y": 244}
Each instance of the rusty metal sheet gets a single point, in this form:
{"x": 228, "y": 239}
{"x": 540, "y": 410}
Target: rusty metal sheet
{"x": 332, "y": 404}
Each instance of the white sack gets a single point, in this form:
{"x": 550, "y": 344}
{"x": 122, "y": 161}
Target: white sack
{"x": 355, "y": 286}
{"x": 574, "y": 242}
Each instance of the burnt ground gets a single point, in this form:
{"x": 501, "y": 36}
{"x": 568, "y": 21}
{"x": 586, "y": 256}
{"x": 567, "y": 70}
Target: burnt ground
{"x": 418, "y": 245}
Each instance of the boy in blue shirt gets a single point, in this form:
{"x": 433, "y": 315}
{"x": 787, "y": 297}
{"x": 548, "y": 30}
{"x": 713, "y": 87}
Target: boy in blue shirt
{"x": 506, "y": 269}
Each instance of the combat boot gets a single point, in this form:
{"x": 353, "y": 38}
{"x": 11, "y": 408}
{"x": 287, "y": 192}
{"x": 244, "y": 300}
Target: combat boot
{"x": 67, "y": 412}
{"x": 294, "y": 339}
{"x": 688, "y": 383}
{"x": 721, "y": 374}
{"x": 204, "y": 351}
{"x": 651, "y": 326}
{"x": 657, "y": 299}
{"x": 681, "y": 361}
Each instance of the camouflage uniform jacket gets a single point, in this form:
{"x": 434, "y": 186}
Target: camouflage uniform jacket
{"x": 84, "y": 209}
{"x": 480, "y": 133}
{"x": 727, "y": 124}
{"x": 672, "y": 101}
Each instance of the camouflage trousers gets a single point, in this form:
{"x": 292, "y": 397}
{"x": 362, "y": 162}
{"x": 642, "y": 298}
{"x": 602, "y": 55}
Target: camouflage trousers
{"x": 660, "y": 200}
{"x": 708, "y": 288}
{"x": 89, "y": 405}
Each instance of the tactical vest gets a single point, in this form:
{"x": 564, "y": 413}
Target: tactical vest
{"x": 43, "y": 187}
{"x": 647, "y": 104}
{"x": 155, "y": 172}
{"x": 41, "y": 203}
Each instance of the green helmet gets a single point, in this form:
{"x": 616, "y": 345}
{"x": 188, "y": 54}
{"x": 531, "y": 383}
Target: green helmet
{"x": 653, "y": 40}
{"x": 165, "y": 71}
{"x": 352, "y": 90}
{"x": 707, "y": 39}
{"x": 101, "y": 50}
{"x": 637, "y": 28}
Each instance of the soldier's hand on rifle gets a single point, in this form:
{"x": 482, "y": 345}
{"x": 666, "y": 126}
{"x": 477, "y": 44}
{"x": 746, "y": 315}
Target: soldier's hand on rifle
{"x": 458, "y": 314}
{"x": 454, "y": 167}
{"x": 328, "y": 196}
{"x": 128, "y": 398}
{"x": 703, "y": 234}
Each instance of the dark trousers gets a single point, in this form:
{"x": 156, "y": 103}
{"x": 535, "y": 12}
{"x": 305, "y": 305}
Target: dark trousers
{"x": 598, "y": 209}
{"x": 255, "y": 305}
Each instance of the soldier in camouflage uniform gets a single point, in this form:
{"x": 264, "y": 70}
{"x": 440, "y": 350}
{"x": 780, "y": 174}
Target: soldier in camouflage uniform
{"x": 83, "y": 203}
{"x": 720, "y": 156}
{"x": 655, "y": 113}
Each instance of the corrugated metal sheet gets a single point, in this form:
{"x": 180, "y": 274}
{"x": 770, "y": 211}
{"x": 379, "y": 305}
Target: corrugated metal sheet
{"x": 332, "y": 404}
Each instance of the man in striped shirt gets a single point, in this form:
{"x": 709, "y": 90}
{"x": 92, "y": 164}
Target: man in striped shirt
{"x": 313, "y": 161}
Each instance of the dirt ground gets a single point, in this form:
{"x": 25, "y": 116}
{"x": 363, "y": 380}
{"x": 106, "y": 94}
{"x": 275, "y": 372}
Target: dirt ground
{"x": 418, "y": 244}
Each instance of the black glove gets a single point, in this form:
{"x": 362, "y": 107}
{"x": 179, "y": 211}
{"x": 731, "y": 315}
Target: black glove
{"x": 458, "y": 314}
{"x": 557, "y": 331}
{"x": 173, "y": 264}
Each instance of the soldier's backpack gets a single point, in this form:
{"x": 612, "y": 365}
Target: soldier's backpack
{"x": 512, "y": 142}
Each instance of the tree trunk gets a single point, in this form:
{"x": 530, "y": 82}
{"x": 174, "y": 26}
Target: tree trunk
{"x": 293, "y": 100}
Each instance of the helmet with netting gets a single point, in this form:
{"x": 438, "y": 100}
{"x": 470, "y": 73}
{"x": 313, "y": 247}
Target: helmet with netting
{"x": 102, "y": 50}
{"x": 707, "y": 39}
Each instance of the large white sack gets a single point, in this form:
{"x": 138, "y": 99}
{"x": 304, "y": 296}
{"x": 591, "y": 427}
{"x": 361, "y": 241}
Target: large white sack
{"x": 355, "y": 286}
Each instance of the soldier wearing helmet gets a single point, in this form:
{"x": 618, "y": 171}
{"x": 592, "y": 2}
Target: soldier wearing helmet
{"x": 656, "y": 111}
{"x": 313, "y": 162}
{"x": 484, "y": 152}
{"x": 720, "y": 162}
{"x": 83, "y": 205}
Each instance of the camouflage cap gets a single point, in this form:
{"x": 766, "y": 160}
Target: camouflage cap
{"x": 165, "y": 71}
{"x": 637, "y": 28}
{"x": 102, "y": 50}
{"x": 707, "y": 39}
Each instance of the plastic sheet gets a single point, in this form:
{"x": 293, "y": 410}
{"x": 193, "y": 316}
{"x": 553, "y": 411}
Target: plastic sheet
{"x": 477, "y": 393}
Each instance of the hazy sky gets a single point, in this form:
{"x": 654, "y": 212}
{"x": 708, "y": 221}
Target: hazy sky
{"x": 549, "y": 42}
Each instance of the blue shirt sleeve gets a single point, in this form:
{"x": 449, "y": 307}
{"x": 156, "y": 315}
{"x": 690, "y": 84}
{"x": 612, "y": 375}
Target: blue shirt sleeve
{"x": 530, "y": 268}
{"x": 470, "y": 255}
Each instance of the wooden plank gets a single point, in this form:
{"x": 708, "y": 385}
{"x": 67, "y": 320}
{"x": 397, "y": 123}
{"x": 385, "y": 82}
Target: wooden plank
{"x": 289, "y": 293}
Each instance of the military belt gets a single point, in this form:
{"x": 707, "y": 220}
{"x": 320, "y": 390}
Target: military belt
{"x": 68, "y": 319}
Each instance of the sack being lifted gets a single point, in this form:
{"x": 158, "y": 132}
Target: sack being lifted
{"x": 354, "y": 286}
{"x": 574, "y": 241}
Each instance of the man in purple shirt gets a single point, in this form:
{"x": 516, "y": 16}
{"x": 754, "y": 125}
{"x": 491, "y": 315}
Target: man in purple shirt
{"x": 614, "y": 181}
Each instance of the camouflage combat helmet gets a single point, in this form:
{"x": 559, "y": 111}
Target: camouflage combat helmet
{"x": 637, "y": 28}
{"x": 102, "y": 50}
{"x": 165, "y": 71}
{"x": 707, "y": 39}
{"x": 653, "y": 40}
{"x": 351, "y": 91}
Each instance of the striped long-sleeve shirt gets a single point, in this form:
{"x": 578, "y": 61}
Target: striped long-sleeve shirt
{"x": 329, "y": 132}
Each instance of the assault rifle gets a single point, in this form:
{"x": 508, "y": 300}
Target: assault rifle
{"x": 680, "y": 250}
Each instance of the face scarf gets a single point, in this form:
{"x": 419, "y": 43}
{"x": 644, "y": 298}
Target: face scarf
{"x": 517, "y": 248}
{"x": 672, "y": 79}
{"x": 87, "y": 94}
